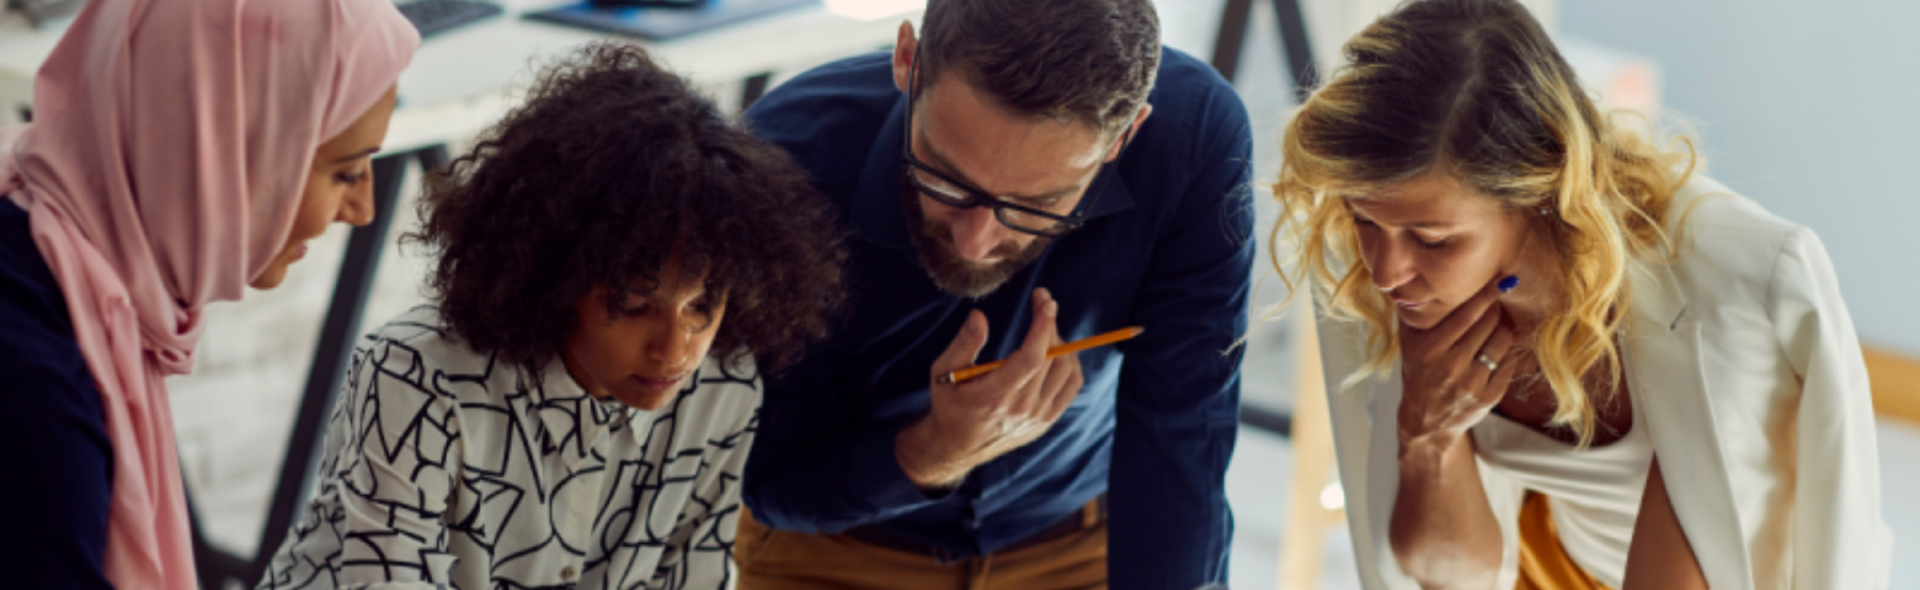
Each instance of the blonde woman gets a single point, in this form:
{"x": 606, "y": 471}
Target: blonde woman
{"x": 1558, "y": 356}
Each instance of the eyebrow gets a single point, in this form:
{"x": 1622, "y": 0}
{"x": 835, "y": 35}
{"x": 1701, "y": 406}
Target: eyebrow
{"x": 357, "y": 155}
{"x": 938, "y": 158}
{"x": 705, "y": 288}
{"x": 1410, "y": 225}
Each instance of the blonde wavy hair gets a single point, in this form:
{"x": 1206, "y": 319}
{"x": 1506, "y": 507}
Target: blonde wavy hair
{"x": 1474, "y": 89}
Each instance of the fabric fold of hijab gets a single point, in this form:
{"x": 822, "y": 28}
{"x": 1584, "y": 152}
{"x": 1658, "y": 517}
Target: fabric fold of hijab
{"x": 163, "y": 171}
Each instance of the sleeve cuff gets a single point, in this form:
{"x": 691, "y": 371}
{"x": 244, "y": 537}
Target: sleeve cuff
{"x": 886, "y": 487}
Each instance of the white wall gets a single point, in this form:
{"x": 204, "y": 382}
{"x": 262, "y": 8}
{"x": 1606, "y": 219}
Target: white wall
{"x": 1331, "y": 22}
{"x": 1812, "y": 108}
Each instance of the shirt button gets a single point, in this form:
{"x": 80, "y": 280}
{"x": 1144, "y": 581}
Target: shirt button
{"x": 566, "y": 573}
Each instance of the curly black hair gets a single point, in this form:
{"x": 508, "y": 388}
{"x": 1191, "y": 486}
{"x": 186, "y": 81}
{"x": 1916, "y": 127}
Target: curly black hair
{"x": 611, "y": 164}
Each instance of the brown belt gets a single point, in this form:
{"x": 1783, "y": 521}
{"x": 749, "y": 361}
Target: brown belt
{"x": 1082, "y": 519}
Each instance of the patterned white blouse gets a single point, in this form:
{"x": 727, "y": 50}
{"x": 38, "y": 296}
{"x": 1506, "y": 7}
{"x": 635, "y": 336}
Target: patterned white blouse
{"x": 445, "y": 469}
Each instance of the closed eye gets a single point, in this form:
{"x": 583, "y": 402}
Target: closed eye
{"x": 1359, "y": 221}
{"x": 353, "y": 178}
{"x": 705, "y": 307}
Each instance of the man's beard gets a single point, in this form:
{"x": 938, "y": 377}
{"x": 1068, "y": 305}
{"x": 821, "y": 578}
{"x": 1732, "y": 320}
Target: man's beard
{"x": 951, "y": 272}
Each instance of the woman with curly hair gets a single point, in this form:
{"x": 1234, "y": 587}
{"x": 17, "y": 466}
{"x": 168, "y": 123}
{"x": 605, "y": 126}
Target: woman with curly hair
{"x": 617, "y": 264}
{"x": 1557, "y": 355}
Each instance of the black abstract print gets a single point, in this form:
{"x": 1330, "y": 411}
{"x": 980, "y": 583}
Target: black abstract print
{"x": 445, "y": 469}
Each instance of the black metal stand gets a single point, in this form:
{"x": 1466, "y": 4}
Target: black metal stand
{"x": 756, "y": 87}
{"x": 215, "y": 567}
{"x": 1271, "y": 421}
{"x": 1293, "y": 41}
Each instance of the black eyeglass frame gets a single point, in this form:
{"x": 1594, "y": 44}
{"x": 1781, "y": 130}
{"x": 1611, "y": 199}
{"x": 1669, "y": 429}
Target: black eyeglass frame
{"x": 979, "y": 198}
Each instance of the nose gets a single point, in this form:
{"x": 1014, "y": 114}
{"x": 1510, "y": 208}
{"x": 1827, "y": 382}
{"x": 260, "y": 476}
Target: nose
{"x": 356, "y": 208}
{"x": 673, "y": 346}
{"x": 976, "y": 232}
{"x": 1391, "y": 264}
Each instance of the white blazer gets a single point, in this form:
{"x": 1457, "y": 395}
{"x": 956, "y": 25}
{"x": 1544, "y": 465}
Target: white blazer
{"x": 1745, "y": 363}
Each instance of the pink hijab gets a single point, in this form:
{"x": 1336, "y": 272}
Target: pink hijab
{"x": 170, "y": 146}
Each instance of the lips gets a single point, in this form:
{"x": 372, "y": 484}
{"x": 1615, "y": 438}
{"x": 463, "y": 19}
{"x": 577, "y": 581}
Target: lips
{"x": 658, "y": 385}
{"x": 1407, "y": 303}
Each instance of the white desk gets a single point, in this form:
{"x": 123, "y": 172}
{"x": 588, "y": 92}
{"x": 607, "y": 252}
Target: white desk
{"x": 462, "y": 80}
{"x": 21, "y": 50}
{"x": 465, "y": 79}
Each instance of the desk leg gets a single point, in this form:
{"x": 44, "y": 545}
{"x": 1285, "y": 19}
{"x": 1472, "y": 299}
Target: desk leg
{"x": 1299, "y": 54}
{"x": 330, "y": 358}
{"x": 216, "y": 568}
{"x": 1232, "y": 39}
{"x": 1302, "y": 544}
{"x": 754, "y": 88}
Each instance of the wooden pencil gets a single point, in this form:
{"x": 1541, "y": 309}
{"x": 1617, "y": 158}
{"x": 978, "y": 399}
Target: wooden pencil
{"x": 969, "y": 373}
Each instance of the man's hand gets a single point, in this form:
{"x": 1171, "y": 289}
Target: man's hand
{"x": 977, "y": 421}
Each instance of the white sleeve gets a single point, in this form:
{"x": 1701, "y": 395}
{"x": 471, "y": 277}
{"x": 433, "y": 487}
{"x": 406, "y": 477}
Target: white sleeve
{"x": 375, "y": 520}
{"x": 1839, "y": 539}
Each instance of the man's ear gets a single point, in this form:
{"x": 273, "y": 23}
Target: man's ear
{"x": 1132, "y": 130}
{"x": 903, "y": 52}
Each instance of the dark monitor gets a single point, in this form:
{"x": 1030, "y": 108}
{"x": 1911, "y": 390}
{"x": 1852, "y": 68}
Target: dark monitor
{"x": 657, "y": 22}
{"x": 39, "y": 12}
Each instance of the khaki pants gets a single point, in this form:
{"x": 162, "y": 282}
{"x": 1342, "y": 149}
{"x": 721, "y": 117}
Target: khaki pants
{"x": 771, "y": 559}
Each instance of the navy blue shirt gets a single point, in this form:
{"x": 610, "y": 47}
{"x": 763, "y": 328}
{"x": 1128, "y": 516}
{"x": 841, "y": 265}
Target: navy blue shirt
{"x": 57, "y": 473}
{"x": 1167, "y": 247}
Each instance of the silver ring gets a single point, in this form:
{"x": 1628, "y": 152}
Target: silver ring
{"x": 1487, "y": 362}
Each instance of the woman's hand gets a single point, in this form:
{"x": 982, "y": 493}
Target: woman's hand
{"x": 1455, "y": 372}
{"x": 1443, "y": 532}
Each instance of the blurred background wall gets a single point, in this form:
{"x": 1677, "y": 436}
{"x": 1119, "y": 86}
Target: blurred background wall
{"x": 1810, "y": 108}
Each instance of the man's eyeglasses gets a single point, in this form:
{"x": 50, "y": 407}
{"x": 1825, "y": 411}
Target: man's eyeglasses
{"x": 959, "y": 195}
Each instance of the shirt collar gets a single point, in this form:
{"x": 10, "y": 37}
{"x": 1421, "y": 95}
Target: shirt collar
{"x": 877, "y": 215}
{"x": 562, "y": 407}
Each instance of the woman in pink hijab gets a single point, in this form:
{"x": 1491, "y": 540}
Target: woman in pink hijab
{"x": 181, "y": 150}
